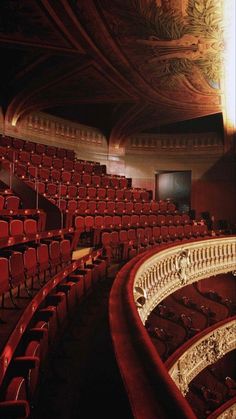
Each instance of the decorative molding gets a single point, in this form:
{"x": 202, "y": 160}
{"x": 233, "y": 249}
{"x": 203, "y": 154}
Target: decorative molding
{"x": 171, "y": 269}
{"x": 204, "y": 352}
{"x": 229, "y": 413}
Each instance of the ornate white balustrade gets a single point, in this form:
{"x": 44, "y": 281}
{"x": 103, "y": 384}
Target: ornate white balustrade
{"x": 202, "y": 353}
{"x": 174, "y": 267}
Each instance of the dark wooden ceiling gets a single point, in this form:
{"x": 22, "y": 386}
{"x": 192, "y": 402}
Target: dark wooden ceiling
{"x": 124, "y": 66}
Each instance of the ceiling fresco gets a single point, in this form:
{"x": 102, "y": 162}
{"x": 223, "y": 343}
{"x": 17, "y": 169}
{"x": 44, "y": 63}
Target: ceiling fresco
{"x": 158, "y": 61}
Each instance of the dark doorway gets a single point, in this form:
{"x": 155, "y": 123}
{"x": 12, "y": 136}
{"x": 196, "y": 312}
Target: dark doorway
{"x": 176, "y": 186}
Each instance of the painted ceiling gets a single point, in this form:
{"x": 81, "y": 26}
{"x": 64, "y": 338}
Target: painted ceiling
{"x": 133, "y": 65}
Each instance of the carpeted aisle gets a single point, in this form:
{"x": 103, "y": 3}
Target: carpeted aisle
{"x": 83, "y": 380}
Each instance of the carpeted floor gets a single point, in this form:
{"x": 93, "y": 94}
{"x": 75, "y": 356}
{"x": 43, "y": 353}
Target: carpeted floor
{"x": 82, "y": 380}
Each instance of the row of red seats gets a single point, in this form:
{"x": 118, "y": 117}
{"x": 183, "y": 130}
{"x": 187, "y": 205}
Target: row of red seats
{"x": 31, "y": 263}
{"x": 9, "y": 202}
{"x": 18, "y": 227}
{"x": 126, "y": 243}
{"x": 19, "y": 144}
{"x": 25, "y": 372}
{"x": 125, "y": 221}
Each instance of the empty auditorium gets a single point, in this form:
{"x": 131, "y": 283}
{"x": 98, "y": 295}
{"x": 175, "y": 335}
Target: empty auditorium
{"x": 117, "y": 209}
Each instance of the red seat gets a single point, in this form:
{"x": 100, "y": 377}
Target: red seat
{"x": 111, "y": 193}
{"x": 61, "y": 190}
{"x": 114, "y": 182}
{"x": 127, "y": 195}
{"x": 123, "y": 182}
{"x": 119, "y": 194}
{"x": 110, "y": 208}
{"x": 57, "y": 163}
{"x": 46, "y": 161}
{"x": 14, "y": 403}
{"x": 4, "y": 229}
{"x": 101, "y": 207}
{"x": 86, "y": 179}
{"x": 154, "y": 207}
{"x": 101, "y": 193}
{"x": 30, "y": 263}
{"x": 30, "y": 226}
{"x": 96, "y": 180}
{"x": 51, "y": 150}
{"x": 55, "y": 175}
{"x": 72, "y": 205}
{"x": 4, "y": 282}
{"x": 36, "y": 159}
{"x": 146, "y": 208}
{"x": 62, "y": 204}
{"x": 44, "y": 173}
{"x": 40, "y": 148}
{"x": 187, "y": 231}
{"x": 51, "y": 189}
{"x": 126, "y": 221}
{"x": 88, "y": 222}
{"x": 88, "y": 167}
{"x": 65, "y": 249}
{"x": 66, "y": 177}
{"x": 61, "y": 153}
{"x": 78, "y": 167}
{"x": 152, "y": 220}
{"x": 43, "y": 260}
{"x": 120, "y": 207}
{"x": 79, "y": 223}
{"x": 68, "y": 165}
{"x": 165, "y": 233}
{"x": 29, "y": 146}
{"x": 82, "y": 192}
{"x": 161, "y": 220}
{"x": 129, "y": 207}
{"x": 156, "y": 234}
{"x": 76, "y": 178}
{"x": 105, "y": 181}
{"x": 12, "y": 202}
{"x": 108, "y": 221}
{"x": 72, "y": 191}
{"x": 180, "y": 232}
{"x": 173, "y": 232}
{"x": 143, "y": 220}
{"x": 2, "y": 202}
{"x": 116, "y": 221}
{"x": 177, "y": 220}
{"x": 163, "y": 205}
{"x": 82, "y": 207}
{"x": 169, "y": 220}
{"x": 54, "y": 256}
{"x": 91, "y": 193}
{"x": 134, "y": 220}
{"x": 24, "y": 156}
{"x": 16, "y": 228}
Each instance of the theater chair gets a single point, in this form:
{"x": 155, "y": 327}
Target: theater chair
{"x": 14, "y": 403}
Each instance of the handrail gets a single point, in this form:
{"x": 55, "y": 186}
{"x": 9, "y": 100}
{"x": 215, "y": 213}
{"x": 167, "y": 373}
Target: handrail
{"x": 135, "y": 292}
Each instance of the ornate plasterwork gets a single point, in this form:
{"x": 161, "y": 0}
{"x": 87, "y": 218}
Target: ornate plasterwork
{"x": 229, "y": 413}
{"x": 170, "y": 269}
{"x": 204, "y": 352}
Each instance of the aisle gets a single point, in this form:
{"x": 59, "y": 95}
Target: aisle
{"x": 83, "y": 376}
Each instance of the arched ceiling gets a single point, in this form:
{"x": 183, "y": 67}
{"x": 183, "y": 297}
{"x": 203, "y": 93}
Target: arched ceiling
{"x": 133, "y": 65}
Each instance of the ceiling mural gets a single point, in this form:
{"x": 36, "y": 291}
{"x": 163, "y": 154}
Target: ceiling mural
{"x": 174, "y": 44}
{"x": 157, "y": 61}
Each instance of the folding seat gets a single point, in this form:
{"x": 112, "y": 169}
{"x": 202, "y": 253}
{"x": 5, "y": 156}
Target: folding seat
{"x": 65, "y": 249}
{"x": 180, "y": 232}
{"x": 171, "y": 208}
{"x": 148, "y": 234}
{"x": 165, "y": 233}
{"x": 119, "y": 194}
{"x": 203, "y": 230}
{"x": 88, "y": 223}
{"x": 154, "y": 207}
{"x": 20, "y": 170}
{"x": 116, "y": 221}
{"x": 57, "y": 163}
{"x": 30, "y": 226}
{"x": 11, "y": 154}
{"x": 134, "y": 220}
{"x": 187, "y": 231}
{"x": 44, "y": 174}
{"x": 81, "y": 207}
{"x": 143, "y": 220}
{"x": 43, "y": 260}
{"x": 68, "y": 165}
{"x": 129, "y": 207}
{"x": 120, "y": 207}
{"x": 96, "y": 180}
{"x": 88, "y": 167}
{"x": 125, "y": 221}
{"x": 101, "y": 207}
{"x": 46, "y": 161}
{"x": 196, "y": 231}
{"x": 70, "y": 154}
{"x": 79, "y": 223}
{"x": 18, "y": 143}
{"x": 115, "y": 248}
{"x": 123, "y": 182}
{"x": 152, "y": 220}
{"x": 110, "y": 208}
{"x": 114, "y": 181}
{"x": 136, "y": 195}
{"x": 51, "y": 189}
{"x": 16, "y": 228}
{"x": 61, "y": 190}
{"x": 177, "y": 220}
{"x": 105, "y": 181}
{"x": 6, "y": 141}
{"x": 12, "y": 202}
{"x": 24, "y": 156}
{"x": 161, "y": 220}
{"x": 36, "y": 159}
{"x": 29, "y": 146}
{"x": 30, "y": 264}
{"x": 173, "y": 232}
{"x": 124, "y": 244}
{"x": 101, "y": 193}
{"x": 61, "y": 153}
{"x": 108, "y": 221}
{"x": 70, "y": 289}
{"x": 91, "y": 193}
{"x": 4, "y": 229}
{"x": 14, "y": 403}
{"x": 144, "y": 196}
{"x": 185, "y": 219}
{"x": 72, "y": 191}
{"x": 111, "y": 194}
{"x": 86, "y": 179}
{"x": 76, "y": 178}
{"x": 2, "y": 202}
{"x": 71, "y": 205}
{"x": 55, "y": 175}
{"x": 138, "y": 207}
{"x": 146, "y": 208}
{"x": 169, "y": 220}
{"x": 82, "y": 192}
{"x": 98, "y": 222}
{"x": 51, "y": 151}
{"x": 163, "y": 207}
{"x": 156, "y": 231}
{"x": 127, "y": 195}
{"x": 4, "y": 282}
{"x": 62, "y": 204}
{"x": 40, "y": 148}
{"x": 84, "y": 279}
{"x": 91, "y": 207}
{"x": 54, "y": 256}
{"x": 66, "y": 177}
{"x": 142, "y": 241}
{"x": 79, "y": 167}
{"x": 16, "y": 270}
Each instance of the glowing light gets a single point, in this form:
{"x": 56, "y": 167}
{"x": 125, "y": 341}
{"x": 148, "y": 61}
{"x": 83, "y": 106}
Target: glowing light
{"x": 229, "y": 63}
